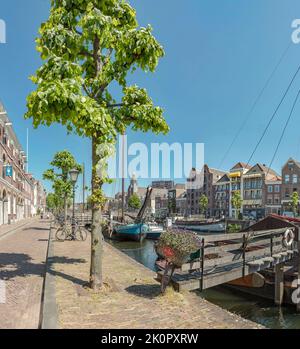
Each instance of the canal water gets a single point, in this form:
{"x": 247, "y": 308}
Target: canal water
{"x": 249, "y": 307}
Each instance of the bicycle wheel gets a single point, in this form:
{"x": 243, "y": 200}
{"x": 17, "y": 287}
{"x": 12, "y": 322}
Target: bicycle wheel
{"x": 61, "y": 234}
{"x": 81, "y": 234}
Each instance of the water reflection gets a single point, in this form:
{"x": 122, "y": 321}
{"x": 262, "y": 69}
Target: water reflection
{"x": 249, "y": 307}
{"x": 143, "y": 252}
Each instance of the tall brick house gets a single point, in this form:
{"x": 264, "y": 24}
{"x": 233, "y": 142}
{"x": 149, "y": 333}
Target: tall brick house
{"x": 290, "y": 183}
{"x": 255, "y": 184}
{"x": 273, "y": 196}
{"x": 209, "y": 177}
{"x": 222, "y": 196}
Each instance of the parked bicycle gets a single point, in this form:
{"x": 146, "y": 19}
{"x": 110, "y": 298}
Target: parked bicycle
{"x": 58, "y": 221}
{"x": 64, "y": 232}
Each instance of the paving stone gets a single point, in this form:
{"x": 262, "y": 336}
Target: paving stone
{"x": 22, "y": 266}
{"x": 132, "y": 301}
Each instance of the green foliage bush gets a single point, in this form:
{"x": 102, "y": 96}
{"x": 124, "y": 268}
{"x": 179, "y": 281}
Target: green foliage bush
{"x": 233, "y": 228}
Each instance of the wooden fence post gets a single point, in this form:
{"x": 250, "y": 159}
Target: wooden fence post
{"x": 298, "y": 256}
{"x": 202, "y": 264}
{"x": 279, "y": 283}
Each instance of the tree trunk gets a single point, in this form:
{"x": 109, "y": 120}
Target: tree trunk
{"x": 65, "y": 208}
{"x": 97, "y": 237}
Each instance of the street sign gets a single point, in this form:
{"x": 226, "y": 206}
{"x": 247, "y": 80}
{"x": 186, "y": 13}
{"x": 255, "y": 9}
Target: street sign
{"x": 8, "y": 171}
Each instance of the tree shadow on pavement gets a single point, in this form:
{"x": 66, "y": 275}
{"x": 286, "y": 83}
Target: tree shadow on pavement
{"x": 65, "y": 260}
{"x": 145, "y": 291}
{"x": 36, "y": 228}
{"x": 14, "y": 265}
{"x": 18, "y": 264}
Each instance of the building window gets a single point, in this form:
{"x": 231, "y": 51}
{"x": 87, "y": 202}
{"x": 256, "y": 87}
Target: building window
{"x": 277, "y": 188}
{"x": 287, "y": 178}
{"x": 270, "y": 189}
{"x": 295, "y": 178}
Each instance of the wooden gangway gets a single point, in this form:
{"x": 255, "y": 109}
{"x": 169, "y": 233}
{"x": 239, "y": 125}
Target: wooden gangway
{"x": 227, "y": 257}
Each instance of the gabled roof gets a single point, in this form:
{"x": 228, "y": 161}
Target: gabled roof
{"x": 297, "y": 163}
{"x": 241, "y": 165}
{"x": 270, "y": 173}
{"x": 217, "y": 172}
{"x": 223, "y": 179}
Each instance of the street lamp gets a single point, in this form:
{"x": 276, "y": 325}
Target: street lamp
{"x": 73, "y": 176}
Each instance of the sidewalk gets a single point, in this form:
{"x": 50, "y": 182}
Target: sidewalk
{"x": 130, "y": 299}
{"x": 10, "y": 228}
{"x": 23, "y": 250}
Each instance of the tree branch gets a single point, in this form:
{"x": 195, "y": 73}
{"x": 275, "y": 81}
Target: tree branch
{"x": 86, "y": 90}
{"x": 85, "y": 53}
{"x": 118, "y": 105}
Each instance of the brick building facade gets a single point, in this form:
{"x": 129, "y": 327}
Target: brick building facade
{"x": 16, "y": 186}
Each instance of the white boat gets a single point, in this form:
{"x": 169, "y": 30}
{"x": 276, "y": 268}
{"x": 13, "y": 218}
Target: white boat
{"x": 155, "y": 231}
{"x": 217, "y": 227}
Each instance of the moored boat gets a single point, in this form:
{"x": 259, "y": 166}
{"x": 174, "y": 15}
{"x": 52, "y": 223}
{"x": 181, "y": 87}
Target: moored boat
{"x": 214, "y": 227}
{"x": 154, "y": 231}
{"x": 131, "y": 232}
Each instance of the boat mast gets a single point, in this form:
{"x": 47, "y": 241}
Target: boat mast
{"x": 83, "y": 188}
{"x": 123, "y": 177}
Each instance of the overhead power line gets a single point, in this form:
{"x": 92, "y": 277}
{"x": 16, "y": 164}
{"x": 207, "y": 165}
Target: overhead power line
{"x": 254, "y": 105}
{"x": 273, "y": 115}
{"x": 283, "y": 131}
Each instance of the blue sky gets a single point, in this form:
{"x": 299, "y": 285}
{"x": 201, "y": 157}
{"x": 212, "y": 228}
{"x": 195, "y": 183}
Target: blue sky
{"x": 219, "y": 55}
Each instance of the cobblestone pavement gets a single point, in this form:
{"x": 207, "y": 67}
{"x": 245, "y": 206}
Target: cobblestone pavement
{"x": 22, "y": 268}
{"x": 130, "y": 298}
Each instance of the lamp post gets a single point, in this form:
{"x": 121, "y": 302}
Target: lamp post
{"x": 73, "y": 177}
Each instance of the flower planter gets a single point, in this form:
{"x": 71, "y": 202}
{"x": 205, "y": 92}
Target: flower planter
{"x": 178, "y": 247}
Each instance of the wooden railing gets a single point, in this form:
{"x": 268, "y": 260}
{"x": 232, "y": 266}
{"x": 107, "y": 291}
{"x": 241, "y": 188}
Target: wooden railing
{"x": 227, "y": 257}
{"x": 83, "y": 219}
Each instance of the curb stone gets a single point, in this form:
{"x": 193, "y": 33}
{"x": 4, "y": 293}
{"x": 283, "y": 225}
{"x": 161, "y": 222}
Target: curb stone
{"x": 49, "y": 306}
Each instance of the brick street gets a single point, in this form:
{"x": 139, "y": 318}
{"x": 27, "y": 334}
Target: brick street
{"x": 22, "y": 268}
{"x": 130, "y": 299}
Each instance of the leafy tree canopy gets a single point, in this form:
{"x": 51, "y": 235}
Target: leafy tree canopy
{"x": 88, "y": 45}
{"x": 62, "y": 163}
{"x": 236, "y": 200}
{"x": 203, "y": 203}
{"x": 134, "y": 201}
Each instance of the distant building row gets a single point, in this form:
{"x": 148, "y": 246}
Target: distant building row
{"x": 21, "y": 196}
{"x": 261, "y": 189}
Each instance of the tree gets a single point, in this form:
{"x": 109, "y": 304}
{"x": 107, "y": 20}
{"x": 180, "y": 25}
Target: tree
{"x": 134, "y": 202}
{"x": 203, "y": 203}
{"x": 54, "y": 202}
{"x": 87, "y": 46}
{"x": 295, "y": 202}
{"x": 236, "y": 202}
{"x": 62, "y": 163}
